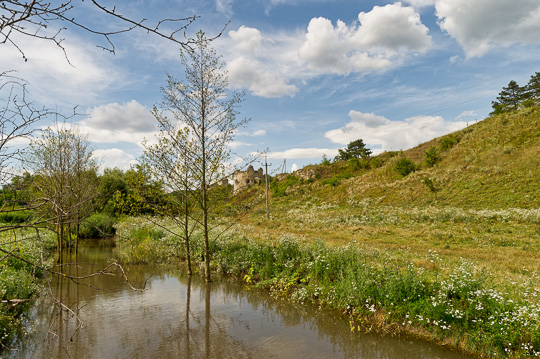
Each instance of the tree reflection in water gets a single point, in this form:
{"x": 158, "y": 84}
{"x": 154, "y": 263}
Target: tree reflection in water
{"x": 182, "y": 317}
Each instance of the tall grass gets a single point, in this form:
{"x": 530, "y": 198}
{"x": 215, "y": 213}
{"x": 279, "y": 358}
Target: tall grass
{"x": 458, "y": 304}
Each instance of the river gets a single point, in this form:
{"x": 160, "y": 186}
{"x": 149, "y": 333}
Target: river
{"x": 178, "y": 317}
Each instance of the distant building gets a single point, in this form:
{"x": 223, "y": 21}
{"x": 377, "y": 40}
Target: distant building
{"x": 243, "y": 179}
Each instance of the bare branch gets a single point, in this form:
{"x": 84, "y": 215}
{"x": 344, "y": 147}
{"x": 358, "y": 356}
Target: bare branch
{"x": 36, "y": 18}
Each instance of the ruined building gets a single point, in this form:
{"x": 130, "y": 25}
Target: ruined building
{"x": 247, "y": 178}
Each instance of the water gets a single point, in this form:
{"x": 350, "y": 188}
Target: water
{"x": 177, "y": 317}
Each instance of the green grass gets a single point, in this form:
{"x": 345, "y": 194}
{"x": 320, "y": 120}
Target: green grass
{"x": 449, "y": 253}
{"x": 17, "y": 277}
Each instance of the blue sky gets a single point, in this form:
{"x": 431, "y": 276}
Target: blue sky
{"x": 317, "y": 73}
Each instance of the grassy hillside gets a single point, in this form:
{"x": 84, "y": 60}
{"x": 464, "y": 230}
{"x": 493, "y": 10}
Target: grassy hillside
{"x": 494, "y": 164}
{"x": 449, "y": 253}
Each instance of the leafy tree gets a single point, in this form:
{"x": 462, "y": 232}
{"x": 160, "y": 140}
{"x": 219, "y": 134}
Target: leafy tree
{"x": 532, "y": 89}
{"x": 509, "y": 98}
{"x": 65, "y": 179}
{"x": 355, "y": 149}
{"x": 197, "y": 120}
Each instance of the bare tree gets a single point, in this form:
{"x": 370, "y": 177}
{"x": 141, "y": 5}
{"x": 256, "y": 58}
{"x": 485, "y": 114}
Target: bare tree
{"x": 198, "y": 120}
{"x": 17, "y": 117}
{"x": 48, "y": 20}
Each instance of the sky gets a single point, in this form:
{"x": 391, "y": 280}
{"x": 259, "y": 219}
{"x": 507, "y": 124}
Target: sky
{"x": 317, "y": 74}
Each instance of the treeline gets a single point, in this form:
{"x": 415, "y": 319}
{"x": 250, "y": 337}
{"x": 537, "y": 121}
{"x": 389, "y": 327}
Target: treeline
{"x": 514, "y": 97}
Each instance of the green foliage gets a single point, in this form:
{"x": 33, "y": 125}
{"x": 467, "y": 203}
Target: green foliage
{"x": 376, "y": 162}
{"x": 336, "y": 180}
{"x": 98, "y": 225}
{"x": 17, "y": 277}
{"x": 17, "y": 216}
{"x": 448, "y": 142}
{"x": 404, "y": 166}
{"x": 325, "y": 161}
{"x": 355, "y": 149}
{"x": 279, "y": 188}
{"x": 432, "y": 156}
{"x": 356, "y": 164}
{"x": 430, "y": 184}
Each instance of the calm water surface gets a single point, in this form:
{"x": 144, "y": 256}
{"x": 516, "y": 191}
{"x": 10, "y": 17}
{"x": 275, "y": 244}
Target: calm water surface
{"x": 175, "y": 317}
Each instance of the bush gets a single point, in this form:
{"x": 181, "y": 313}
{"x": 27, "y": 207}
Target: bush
{"x": 430, "y": 184}
{"x": 404, "y": 166}
{"x": 15, "y": 216}
{"x": 376, "y": 162}
{"x": 448, "y": 142}
{"x": 336, "y": 180}
{"x": 99, "y": 225}
{"x": 432, "y": 156}
{"x": 357, "y": 163}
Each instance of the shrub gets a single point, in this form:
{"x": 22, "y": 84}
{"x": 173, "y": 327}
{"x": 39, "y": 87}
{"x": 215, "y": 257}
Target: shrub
{"x": 430, "y": 184}
{"x": 432, "y": 156}
{"x": 99, "y": 225}
{"x": 376, "y": 162}
{"x": 448, "y": 142}
{"x": 404, "y": 166}
{"x": 325, "y": 161}
{"x": 357, "y": 163}
{"x": 15, "y": 216}
{"x": 336, "y": 180}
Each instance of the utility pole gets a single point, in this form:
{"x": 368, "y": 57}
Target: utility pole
{"x": 266, "y": 164}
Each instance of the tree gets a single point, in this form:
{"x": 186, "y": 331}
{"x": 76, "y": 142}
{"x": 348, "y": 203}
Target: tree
{"x": 532, "y": 89}
{"x": 197, "y": 120}
{"x": 355, "y": 149}
{"x": 509, "y": 98}
{"x": 65, "y": 179}
{"x": 48, "y": 20}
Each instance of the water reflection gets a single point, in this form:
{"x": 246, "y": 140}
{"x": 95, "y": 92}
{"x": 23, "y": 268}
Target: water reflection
{"x": 181, "y": 317}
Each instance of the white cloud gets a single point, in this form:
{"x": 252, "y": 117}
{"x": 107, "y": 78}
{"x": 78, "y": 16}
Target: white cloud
{"x": 420, "y": 3}
{"x": 466, "y": 114}
{"x": 130, "y": 117}
{"x": 111, "y": 123}
{"x": 115, "y": 157}
{"x": 251, "y": 74}
{"x": 236, "y": 144}
{"x": 247, "y": 40}
{"x": 392, "y": 135}
{"x": 370, "y": 45}
{"x": 303, "y": 153}
{"x": 294, "y": 167}
{"x": 52, "y": 80}
{"x": 256, "y": 133}
{"x": 480, "y": 25}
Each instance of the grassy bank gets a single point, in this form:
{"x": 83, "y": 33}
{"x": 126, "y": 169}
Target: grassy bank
{"x": 18, "y": 278}
{"x": 428, "y": 288}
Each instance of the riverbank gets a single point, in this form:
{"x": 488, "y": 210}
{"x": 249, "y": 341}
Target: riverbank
{"x": 389, "y": 279}
{"x": 18, "y": 279}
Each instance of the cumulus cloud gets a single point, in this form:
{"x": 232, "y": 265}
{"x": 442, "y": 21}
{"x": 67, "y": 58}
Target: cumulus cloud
{"x": 115, "y": 157}
{"x": 480, "y": 25}
{"x": 303, "y": 153}
{"x": 369, "y": 45}
{"x": 246, "y": 39}
{"x": 130, "y": 122}
{"x": 294, "y": 167}
{"x": 392, "y": 135}
{"x": 248, "y": 73}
